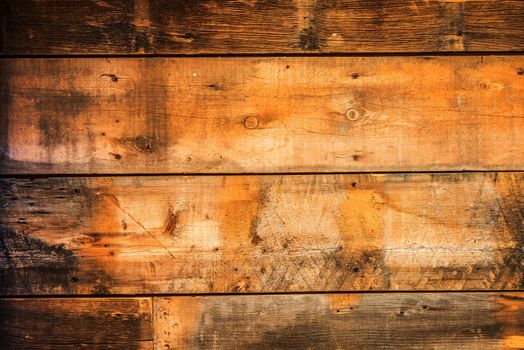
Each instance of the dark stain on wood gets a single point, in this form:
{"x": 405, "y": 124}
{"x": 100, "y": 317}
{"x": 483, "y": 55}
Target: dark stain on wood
{"x": 452, "y": 36}
{"x": 255, "y": 238}
{"x": 27, "y": 262}
{"x": 510, "y": 210}
{"x": 101, "y": 289}
{"x": 31, "y": 265}
{"x": 141, "y": 42}
{"x": 4, "y": 114}
{"x": 73, "y": 323}
{"x": 54, "y": 129}
{"x": 309, "y": 39}
{"x": 171, "y": 223}
{"x": 407, "y": 321}
{"x": 189, "y": 27}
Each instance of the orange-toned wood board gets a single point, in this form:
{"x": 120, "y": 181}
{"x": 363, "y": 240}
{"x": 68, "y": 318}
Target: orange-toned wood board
{"x": 256, "y": 26}
{"x": 261, "y": 115}
{"x": 214, "y": 234}
{"x": 342, "y": 321}
{"x": 76, "y": 323}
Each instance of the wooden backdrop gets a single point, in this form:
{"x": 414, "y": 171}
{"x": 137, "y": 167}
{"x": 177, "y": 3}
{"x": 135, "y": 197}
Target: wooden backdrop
{"x": 261, "y": 174}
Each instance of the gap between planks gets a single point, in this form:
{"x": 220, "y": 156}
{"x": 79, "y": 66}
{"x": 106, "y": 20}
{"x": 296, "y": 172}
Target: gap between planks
{"x": 204, "y": 174}
{"x": 269, "y": 55}
{"x": 218, "y": 294}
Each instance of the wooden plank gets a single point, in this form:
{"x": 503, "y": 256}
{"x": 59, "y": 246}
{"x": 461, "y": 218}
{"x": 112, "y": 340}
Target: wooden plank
{"x": 76, "y": 323}
{"x": 290, "y": 26}
{"x": 289, "y": 114}
{"x": 208, "y": 234}
{"x": 342, "y": 321}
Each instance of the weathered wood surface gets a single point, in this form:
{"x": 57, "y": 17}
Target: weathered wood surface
{"x": 207, "y": 234}
{"x": 438, "y": 321}
{"x": 292, "y": 114}
{"x": 290, "y": 26}
{"x": 72, "y": 323}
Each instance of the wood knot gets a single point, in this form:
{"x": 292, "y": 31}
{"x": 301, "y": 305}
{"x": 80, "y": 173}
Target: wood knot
{"x": 144, "y": 144}
{"x": 251, "y": 122}
{"x": 352, "y": 114}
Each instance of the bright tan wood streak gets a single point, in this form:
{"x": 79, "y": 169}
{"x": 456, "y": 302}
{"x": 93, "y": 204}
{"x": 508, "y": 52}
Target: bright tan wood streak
{"x": 76, "y": 323}
{"x": 252, "y": 26}
{"x": 292, "y": 114}
{"x": 438, "y": 321}
{"x": 262, "y": 233}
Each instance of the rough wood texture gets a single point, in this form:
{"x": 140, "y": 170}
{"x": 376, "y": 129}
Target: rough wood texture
{"x": 289, "y": 26}
{"x": 86, "y": 323}
{"x": 439, "y": 321}
{"x": 293, "y": 114}
{"x": 262, "y": 233}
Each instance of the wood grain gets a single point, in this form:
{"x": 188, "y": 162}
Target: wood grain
{"x": 209, "y": 234}
{"x": 240, "y": 26}
{"x": 76, "y": 323}
{"x": 437, "y": 321}
{"x": 261, "y": 115}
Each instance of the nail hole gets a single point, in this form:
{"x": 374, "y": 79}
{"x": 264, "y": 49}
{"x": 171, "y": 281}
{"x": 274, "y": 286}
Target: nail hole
{"x": 356, "y": 269}
{"x": 74, "y": 279}
{"x": 460, "y": 33}
{"x": 354, "y": 184}
{"x": 355, "y": 75}
{"x": 520, "y": 71}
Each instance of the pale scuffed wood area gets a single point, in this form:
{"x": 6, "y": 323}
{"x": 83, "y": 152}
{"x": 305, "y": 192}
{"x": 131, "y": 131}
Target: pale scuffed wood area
{"x": 207, "y": 234}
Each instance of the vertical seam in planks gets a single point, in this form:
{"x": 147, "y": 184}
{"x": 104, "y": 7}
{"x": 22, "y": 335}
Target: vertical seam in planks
{"x": 153, "y": 326}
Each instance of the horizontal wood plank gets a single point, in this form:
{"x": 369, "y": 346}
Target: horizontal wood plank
{"x": 261, "y": 115}
{"x": 290, "y": 26}
{"x": 73, "y": 323}
{"x": 438, "y": 321}
{"x": 207, "y": 234}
